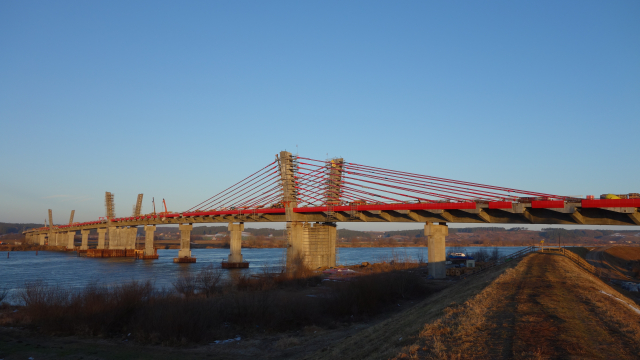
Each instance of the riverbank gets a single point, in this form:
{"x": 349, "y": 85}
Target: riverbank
{"x": 370, "y": 303}
{"x": 275, "y": 310}
{"x": 540, "y": 307}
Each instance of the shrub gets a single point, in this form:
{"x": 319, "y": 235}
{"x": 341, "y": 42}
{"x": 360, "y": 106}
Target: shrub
{"x": 198, "y": 310}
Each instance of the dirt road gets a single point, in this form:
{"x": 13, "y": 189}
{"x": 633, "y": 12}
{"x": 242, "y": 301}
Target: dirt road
{"x": 546, "y": 308}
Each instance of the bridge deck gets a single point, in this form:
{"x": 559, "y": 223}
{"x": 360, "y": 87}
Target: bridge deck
{"x": 586, "y": 212}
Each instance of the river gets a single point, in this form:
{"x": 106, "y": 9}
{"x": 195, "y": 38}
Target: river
{"x": 71, "y": 271}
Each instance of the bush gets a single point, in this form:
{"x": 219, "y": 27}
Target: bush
{"x": 202, "y": 309}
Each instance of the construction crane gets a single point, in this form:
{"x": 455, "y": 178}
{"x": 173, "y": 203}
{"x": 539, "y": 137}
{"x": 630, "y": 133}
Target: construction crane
{"x": 165, "y": 208}
{"x": 73, "y": 212}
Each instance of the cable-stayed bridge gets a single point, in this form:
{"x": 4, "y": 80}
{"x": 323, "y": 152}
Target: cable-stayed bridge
{"x": 311, "y": 196}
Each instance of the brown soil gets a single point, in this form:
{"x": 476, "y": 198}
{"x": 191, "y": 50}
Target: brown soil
{"x": 545, "y": 308}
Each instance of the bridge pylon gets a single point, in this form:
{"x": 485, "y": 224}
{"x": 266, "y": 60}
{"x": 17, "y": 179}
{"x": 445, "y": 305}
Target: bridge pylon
{"x": 314, "y": 245}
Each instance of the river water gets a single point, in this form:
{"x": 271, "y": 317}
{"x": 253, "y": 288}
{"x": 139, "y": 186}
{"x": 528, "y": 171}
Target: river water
{"x": 71, "y": 271}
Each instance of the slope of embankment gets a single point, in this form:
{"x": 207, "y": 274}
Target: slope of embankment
{"x": 543, "y": 308}
{"x": 625, "y": 259}
{"x": 387, "y": 338}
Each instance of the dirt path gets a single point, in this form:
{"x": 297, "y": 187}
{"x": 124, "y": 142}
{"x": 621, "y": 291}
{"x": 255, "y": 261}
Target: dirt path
{"x": 546, "y": 308}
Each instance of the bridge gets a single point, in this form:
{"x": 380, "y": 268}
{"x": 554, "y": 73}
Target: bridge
{"x": 311, "y": 196}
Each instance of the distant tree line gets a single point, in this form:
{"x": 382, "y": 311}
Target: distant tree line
{"x": 16, "y": 228}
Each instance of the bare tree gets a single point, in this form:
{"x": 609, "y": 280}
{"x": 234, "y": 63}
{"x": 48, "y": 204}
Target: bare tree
{"x": 208, "y": 281}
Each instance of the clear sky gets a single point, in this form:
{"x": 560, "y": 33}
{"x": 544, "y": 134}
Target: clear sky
{"x": 179, "y": 100}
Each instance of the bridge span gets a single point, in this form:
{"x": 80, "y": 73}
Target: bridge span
{"x": 312, "y": 196}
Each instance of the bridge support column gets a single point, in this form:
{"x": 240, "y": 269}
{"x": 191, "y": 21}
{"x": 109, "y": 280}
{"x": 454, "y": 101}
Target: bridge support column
{"x": 311, "y": 245}
{"x": 149, "y": 232}
{"x": 53, "y": 241}
{"x": 114, "y": 238}
{"x": 184, "y": 256}
{"x": 85, "y": 239}
{"x": 101, "y": 238}
{"x": 130, "y": 235}
{"x": 235, "y": 247}
{"x": 436, "y": 253}
{"x": 70, "y": 240}
{"x": 42, "y": 238}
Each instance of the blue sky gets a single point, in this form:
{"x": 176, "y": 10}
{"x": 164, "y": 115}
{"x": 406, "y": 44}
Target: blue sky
{"x": 178, "y": 100}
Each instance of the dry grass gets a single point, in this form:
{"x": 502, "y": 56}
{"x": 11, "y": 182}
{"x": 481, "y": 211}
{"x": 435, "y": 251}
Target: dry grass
{"x": 287, "y": 342}
{"x": 625, "y": 259}
{"x": 389, "y": 337}
{"x": 580, "y": 251}
{"x": 203, "y": 309}
{"x": 544, "y": 308}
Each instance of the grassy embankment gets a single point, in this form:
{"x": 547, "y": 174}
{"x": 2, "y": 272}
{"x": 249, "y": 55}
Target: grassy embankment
{"x": 544, "y": 308}
{"x": 624, "y": 259}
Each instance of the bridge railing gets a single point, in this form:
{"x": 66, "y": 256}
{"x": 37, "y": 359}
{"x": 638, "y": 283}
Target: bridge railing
{"x": 582, "y": 263}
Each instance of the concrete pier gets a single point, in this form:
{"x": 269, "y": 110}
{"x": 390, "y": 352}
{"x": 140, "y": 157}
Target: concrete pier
{"x": 42, "y": 238}
{"x": 130, "y": 236}
{"x": 85, "y": 239}
{"x": 314, "y": 244}
{"x": 436, "y": 255}
{"x": 53, "y": 239}
{"x": 122, "y": 238}
{"x": 184, "y": 255}
{"x": 114, "y": 239}
{"x": 235, "y": 243}
{"x": 70, "y": 240}
{"x": 101, "y": 238}
{"x": 149, "y": 233}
